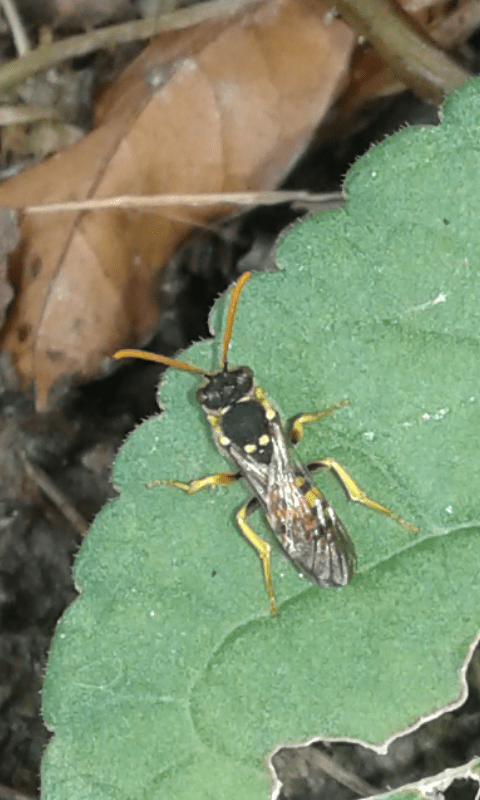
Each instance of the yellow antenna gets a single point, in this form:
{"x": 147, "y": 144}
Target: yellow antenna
{"x": 173, "y": 362}
{"x": 232, "y": 310}
{"x": 169, "y": 362}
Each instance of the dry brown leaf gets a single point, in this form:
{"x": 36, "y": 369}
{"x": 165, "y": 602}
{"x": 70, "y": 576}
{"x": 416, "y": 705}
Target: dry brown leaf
{"x": 224, "y": 106}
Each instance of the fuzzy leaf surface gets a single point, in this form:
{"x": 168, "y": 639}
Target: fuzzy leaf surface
{"x": 167, "y": 677}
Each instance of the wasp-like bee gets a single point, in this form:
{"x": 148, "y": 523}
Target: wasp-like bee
{"x": 248, "y": 429}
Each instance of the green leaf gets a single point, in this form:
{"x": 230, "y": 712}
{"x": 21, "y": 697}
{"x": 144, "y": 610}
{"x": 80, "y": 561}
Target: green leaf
{"x": 168, "y": 677}
{"x": 406, "y": 795}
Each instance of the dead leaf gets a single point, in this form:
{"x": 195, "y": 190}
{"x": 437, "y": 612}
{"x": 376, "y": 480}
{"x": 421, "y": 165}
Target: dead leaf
{"x": 223, "y": 106}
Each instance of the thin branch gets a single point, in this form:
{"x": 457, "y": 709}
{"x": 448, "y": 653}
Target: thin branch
{"x": 409, "y": 52}
{"x": 48, "y": 55}
{"x": 51, "y": 490}
{"x": 205, "y": 199}
{"x": 19, "y": 115}
{"x": 343, "y": 776}
{"x": 17, "y": 28}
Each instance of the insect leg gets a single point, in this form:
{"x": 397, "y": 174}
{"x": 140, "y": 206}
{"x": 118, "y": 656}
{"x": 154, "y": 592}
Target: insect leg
{"x": 263, "y": 548}
{"x": 354, "y": 492}
{"x": 297, "y": 423}
{"x": 200, "y": 483}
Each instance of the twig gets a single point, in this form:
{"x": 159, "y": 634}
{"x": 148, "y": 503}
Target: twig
{"x": 18, "y": 31}
{"x": 343, "y": 776}
{"x": 54, "y": 494}
{"x": 48, "y": 55}
{"x": 206, "y": 199}
{"x": 409, "y": 52}
{"x": 19, "y": 115}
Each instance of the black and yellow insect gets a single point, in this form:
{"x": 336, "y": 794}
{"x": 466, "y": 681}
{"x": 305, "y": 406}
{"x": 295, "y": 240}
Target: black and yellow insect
{"x": 248, "y": 429}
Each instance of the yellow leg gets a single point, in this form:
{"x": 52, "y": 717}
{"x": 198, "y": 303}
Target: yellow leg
{"x": 297, "y": 423}
{"x": 354, "y": 492}
{"x": 200, "y": 483}
{"x": 263, "y": 549}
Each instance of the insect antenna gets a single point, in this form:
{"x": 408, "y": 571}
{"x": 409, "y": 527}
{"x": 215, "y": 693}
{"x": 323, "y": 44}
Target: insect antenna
{"x": 232, "y": 310}
{"x": 158, "y": 359}
{"x": 174, "y": 362}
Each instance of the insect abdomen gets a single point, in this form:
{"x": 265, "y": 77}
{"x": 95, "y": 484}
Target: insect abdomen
{"x": 314, "y": 538}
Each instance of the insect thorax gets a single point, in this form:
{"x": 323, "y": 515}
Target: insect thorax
{"x": 239, "y": 412}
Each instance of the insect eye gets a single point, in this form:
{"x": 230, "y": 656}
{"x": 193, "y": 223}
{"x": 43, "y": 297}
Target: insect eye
{"x": 244, "y": 380}
{"x": 212, "y": 395}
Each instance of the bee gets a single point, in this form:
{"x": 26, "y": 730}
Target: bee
{"x": 248, "y": 430}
